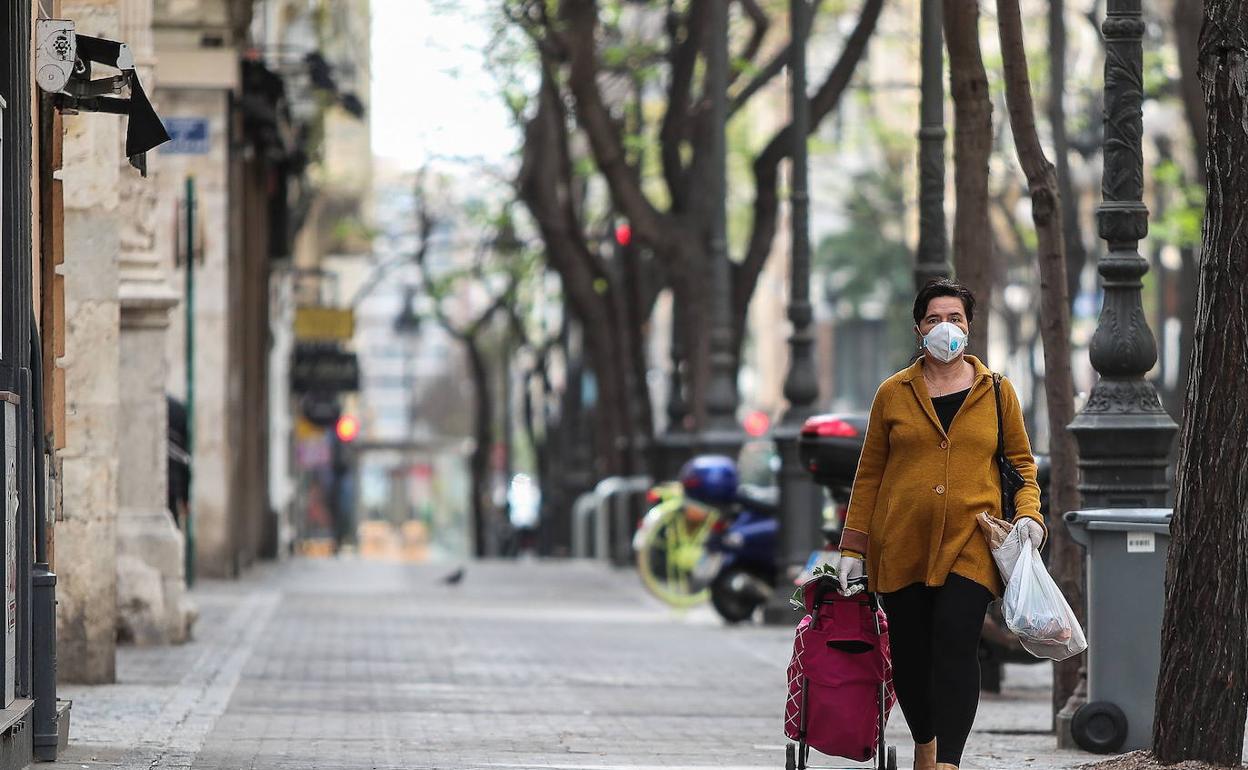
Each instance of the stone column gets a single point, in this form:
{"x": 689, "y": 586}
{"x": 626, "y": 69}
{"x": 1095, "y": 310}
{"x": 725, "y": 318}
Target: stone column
{"x": 153, "y": 607}
{"x": 86, "y": 537}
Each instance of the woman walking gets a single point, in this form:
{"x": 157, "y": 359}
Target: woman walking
{"x": 927, "y": 469}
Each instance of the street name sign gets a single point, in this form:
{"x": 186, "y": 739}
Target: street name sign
{"x": 187, "y": 136}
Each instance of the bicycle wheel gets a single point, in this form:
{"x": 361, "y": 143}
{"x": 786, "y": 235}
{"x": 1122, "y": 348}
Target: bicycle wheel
{"x": 668, "y": 553}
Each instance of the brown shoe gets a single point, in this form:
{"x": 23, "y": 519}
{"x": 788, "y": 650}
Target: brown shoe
{"x": 945, "y": 766}
{"x": 925, "y": 755}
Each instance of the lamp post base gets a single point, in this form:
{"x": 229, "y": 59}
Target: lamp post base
{"x": 801, "y": 515}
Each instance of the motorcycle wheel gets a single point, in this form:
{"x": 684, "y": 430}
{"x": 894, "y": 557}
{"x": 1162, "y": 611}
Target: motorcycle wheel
{"x": 732, "y": 606}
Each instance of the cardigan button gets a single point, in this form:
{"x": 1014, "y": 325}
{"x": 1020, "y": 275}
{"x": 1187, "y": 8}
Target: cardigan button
{"x": 944, "y": 445}
{"x": 940, "y": 489}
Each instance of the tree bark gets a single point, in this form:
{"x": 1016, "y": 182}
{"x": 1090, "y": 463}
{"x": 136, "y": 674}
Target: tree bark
{"x": 1202, "y": 690}
{"x": 972, "y": 146}
{"x": 1072, "y": 231}
{"x": 483, "y": 437}
{"x": 545, "y": 186}
{"x": 638, "y": 305}
{"x": 1187, "y": 20}
{"x": 1065, "y": 557}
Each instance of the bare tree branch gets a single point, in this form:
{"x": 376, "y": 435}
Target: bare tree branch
{"x": 762, "y": 23}
{"x": 683, "y": 58}
{"x": 600, "y": 128}
{"x": 773, "y": 67}
{"x": 767, "y": 164}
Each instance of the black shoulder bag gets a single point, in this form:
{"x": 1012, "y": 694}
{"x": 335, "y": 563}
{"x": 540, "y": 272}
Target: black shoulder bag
{"x": 1011, "y": 479}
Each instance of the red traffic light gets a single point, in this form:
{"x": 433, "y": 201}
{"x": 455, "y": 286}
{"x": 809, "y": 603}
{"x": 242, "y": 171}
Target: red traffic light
{"x": 623, "y": 233}
{"x": 348, "y": 428}
{"x": 757, "y": 424}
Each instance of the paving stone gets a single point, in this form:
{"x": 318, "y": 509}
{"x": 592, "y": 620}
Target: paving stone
{"x": 342, "y": 663}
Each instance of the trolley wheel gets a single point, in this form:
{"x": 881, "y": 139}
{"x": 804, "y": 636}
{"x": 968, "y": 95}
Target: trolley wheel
{"x": 892, "y": 758}
{"x": 1099, "y": 727}
{"x": 790, "y": 757}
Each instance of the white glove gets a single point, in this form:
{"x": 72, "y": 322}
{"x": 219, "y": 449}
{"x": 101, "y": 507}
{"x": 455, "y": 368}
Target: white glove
{"x": 850, "y": 568}
{"x": 1031, "y": 530}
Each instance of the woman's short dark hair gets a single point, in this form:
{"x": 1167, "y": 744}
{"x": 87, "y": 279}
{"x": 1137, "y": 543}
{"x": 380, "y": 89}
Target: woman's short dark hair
{"x": 943, "y": 287}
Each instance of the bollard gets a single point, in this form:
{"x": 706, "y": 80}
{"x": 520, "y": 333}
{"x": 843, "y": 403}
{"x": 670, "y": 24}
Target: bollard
{"x": 46, "y": 734}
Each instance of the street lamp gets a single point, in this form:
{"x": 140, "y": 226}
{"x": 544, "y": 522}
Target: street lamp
{"x": 1124, "y": 434}
{"x": 675, "y": 445}
{"x": 932, "y": 258}
{"x": 721, "y": 434}
{"x": 800, "y": 500}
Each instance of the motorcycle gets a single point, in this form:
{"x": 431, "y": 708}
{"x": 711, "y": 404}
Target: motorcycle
{"x": 702, "y": 540}
{"x": 738, "y": 564}
{"x": 707, "y": 536}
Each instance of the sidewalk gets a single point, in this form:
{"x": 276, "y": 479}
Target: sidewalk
{"x": 351, "y": 664}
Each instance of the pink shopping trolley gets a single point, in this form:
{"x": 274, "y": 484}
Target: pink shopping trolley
{"x": 840, "y": 678}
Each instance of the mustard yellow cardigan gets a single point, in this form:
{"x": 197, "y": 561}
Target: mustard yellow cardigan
{"x": 917, "y": 492}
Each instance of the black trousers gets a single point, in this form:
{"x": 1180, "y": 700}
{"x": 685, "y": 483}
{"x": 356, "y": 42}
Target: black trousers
{"x": 934, "y": 633}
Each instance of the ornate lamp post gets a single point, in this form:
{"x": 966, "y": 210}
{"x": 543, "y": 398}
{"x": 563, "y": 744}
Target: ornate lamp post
{"x": 800, "y": 499}
{"x": 675, "y": 445}
{"x": 1124, "y": 434}
{"x": 721, "y": 433}
{"x": 932, "y": 259}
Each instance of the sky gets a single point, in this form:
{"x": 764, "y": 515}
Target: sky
{"x": 431, "y": 94}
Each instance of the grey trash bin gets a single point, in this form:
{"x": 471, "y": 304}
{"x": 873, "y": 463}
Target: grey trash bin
{"x": 1126, "y": 570}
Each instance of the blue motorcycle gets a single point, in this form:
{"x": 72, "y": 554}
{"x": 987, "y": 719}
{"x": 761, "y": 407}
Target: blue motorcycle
{"x": 738, "y": 562}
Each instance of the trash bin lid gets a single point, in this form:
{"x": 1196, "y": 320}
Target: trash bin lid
{"x": 1121, "y": 519}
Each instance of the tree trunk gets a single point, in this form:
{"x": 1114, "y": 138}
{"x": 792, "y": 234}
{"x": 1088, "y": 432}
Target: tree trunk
{"x": 1187, "y": 20}
{"x": 1065, "y": 557}
{"x": 635, "y": 317}
{"x": 1171, "y": 397}
{"x": 695, "y": 305}
{"x": 483, "y": 436}
{"x": 972, "y": 145}
{"x": 1202, "y": 691}
{"x": 545, "y": 185}
{"x": 1072, "y": 232}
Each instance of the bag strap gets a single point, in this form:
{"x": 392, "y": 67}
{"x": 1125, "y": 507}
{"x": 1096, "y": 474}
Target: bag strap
{"x": 996, "y": 388}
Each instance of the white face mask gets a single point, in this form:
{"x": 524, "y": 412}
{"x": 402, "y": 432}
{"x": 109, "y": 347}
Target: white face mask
{"x": 945, "y": 342}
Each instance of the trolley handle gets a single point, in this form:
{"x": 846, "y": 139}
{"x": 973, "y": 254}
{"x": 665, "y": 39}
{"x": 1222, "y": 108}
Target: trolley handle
{"x": 855, "y": 587}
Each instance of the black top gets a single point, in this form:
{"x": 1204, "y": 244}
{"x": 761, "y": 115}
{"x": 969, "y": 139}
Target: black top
{"x": 948, "y": 405}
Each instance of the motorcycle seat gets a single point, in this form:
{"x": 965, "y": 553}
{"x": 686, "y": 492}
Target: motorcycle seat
{"x": 764, "y": 500}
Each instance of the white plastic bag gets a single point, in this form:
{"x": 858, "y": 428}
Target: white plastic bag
{"x": 1036, "y": 610}
{"x": 1004, "y": 541}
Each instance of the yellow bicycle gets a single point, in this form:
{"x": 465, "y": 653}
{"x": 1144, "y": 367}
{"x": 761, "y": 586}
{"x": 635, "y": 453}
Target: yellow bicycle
{"x": 669, "y": 544}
